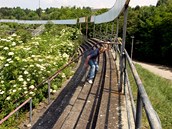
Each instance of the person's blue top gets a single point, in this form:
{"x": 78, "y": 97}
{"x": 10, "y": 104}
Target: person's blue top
{"x": 94, "y": 54}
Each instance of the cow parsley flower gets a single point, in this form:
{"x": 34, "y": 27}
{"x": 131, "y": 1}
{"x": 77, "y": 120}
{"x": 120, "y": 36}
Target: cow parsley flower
{"x": 11, "y": 62}
{"x": 2, "y": 92}
{"x": 14, "y": 85}
{"x": 2, "y": 58}
{"x": 14, "y": 90}
{"x": 24, "y": 60}
{"x": 11, "y": 53}
{"x": 54, "y": 91}
{"x": 31, "y": 65}
{"x": 9, "y": 59}
{"x": 14, "y": 35}
{"x": 24, "y": 83}
{"x": 25, "y": 88}
{"x": 13, "y": 44}
{"x": 20, "y": 79}
{"x": 6, "y": 48}
{"x": 6, "y": 65}
{"x": 8, "y": 98}
{"x": 63, "y": 75}
{"x": 33, "y": 56}
{"x": 65, "y": 55}
{"x": 26, "y": 72}
{"x": 40, "y": 60}
{"x": 25, "y": 92}
{"x": 20, "y": 76}
{"x": 3, "y": 39}
{"x": 32, "y": 93}
{"x": 31, "y": 87}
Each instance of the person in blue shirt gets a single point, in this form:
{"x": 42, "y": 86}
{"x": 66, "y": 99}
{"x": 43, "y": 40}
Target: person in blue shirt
{"x": 91, "y": 60}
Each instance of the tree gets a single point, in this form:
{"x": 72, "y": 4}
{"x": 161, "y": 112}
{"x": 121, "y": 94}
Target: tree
{"x": 18, "y": 13}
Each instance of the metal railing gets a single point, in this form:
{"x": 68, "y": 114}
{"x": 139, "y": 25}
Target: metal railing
{"x": 143, "y": 101}
{"x": 19, "y": 107}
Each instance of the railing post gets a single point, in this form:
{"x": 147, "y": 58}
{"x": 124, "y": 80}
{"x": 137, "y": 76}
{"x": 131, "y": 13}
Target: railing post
{"x": 112, "y": 31}
{"x": 121, "y": 71}
{"x": 117, "y": 27}
{"x": 49, "y": 86}
{"x": 17, "y": 112}
{"x": 106, "y": 32}
{"x": 30, "y": 113}
{"x": 80, "y": 26}
{"x": 124, "y": 56}
{"x": 138, "y": 112}
{"x": 86, "y": 26}
{"x": 132, "y": 46}
{"x": 123, "y": 48}
{"x": 100, "y": 31}
{"x": 94, "y": 31}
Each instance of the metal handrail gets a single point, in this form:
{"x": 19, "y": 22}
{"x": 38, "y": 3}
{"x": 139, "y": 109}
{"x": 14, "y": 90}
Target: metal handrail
{"x": 143, "y": 101}
{"x": 142, "y": 98}
{"x": 14, "y": 111}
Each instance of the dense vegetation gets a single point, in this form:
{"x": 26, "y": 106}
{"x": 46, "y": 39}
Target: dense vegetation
{"x": 151, "y": 27}
{"x": 26, "y": 63}
{"x": 47, "y": 14}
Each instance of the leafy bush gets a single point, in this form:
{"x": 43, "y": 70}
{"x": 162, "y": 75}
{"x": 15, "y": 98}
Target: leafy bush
{"x": 25, "y": 65}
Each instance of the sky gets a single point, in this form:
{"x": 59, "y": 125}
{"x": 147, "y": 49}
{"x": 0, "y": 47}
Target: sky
{"x": 34, "y": 4}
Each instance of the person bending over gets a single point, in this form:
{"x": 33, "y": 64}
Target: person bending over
{"x": 91, "y": 60}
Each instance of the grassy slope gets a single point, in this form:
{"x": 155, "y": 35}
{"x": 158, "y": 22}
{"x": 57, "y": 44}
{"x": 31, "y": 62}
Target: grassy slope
{"x": 159, "y": 91}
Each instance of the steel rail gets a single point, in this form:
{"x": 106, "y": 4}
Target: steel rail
{"x": 143, "y": 101}
{"x": 142, "y": 98}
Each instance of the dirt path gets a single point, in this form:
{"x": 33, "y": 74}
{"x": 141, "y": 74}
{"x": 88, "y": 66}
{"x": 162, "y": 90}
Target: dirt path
{"x": 160, "y": 70}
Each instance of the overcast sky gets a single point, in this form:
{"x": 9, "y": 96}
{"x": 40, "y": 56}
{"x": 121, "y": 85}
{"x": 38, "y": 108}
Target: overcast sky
{"x": 34, "y": 4}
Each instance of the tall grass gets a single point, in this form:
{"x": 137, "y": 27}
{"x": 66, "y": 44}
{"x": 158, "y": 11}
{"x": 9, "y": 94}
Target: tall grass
{"x": 159, "y": 91}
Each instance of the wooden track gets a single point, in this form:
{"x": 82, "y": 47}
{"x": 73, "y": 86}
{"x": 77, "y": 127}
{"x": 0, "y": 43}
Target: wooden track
{"x": 82, "y": 105}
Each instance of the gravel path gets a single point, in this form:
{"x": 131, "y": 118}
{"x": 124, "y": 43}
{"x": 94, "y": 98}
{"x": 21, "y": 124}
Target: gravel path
{"x": 163, "y": 71}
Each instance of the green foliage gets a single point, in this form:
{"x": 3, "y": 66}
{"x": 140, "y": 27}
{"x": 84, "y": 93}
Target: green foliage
{"x": 25, "y": 62}
{"x": 47, "y": 14}
{"x": 151, "y": 27}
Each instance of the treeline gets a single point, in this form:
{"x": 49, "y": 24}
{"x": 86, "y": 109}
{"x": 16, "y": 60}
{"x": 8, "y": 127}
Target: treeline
{"x": 46, "y": 14}
{"x": 151, "y": 27}
{"x": 38, "y": 14}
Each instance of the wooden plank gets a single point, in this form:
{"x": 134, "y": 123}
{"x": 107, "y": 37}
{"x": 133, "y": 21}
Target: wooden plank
{"x": 72, "y": 118}
{"x": 103, "y": 111}
{"x": 113, "y": 118}
{"x": 67, "y": 109}
{"x": 88, "y": 111}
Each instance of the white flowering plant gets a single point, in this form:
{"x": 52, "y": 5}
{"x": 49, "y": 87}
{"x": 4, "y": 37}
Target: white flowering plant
{"x": 24, "y": 65}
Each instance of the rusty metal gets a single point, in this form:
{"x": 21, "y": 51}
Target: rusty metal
{"x": 9, "y": 115}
